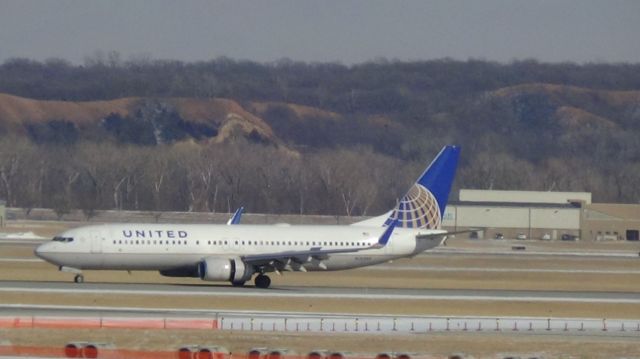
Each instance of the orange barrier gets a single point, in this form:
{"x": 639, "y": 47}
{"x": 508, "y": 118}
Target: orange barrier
{"x": 16, "y": 322}
{"x": 66, "y": 323}
{"x": 178, "y": 323}
{"x": 86, "y": 352}
{"x": 96, "y": 323}
{"x": 133, "y": 323}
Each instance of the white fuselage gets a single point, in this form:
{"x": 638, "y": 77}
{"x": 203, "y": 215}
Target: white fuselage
{"x": 168, "y": 246}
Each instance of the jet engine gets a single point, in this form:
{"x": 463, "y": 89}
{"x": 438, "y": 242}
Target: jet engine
{"x": 233, "y": 270}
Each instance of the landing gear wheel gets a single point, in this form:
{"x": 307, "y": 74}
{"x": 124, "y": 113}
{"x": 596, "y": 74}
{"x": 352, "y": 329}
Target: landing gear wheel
{"x": 79, "y": 278}
{"x": 262, "y": 281}
{"x": 237, "y": 284}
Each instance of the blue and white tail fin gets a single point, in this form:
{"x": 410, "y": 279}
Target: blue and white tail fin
{"x": 235, "y": 219}
{"x": 424, "y": 204}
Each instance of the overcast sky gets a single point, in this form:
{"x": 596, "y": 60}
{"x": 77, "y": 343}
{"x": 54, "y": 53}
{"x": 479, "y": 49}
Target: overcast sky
{"x": 319, "y": 31}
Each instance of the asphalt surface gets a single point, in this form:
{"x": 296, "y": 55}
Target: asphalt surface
{"x": 319, "y": 292}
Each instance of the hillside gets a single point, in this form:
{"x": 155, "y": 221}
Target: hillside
{"x": 575, "y": 106}
{"x": 568, "y": 109}
{"x": 213, "y": 119}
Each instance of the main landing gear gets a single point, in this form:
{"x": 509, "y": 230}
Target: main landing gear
{"x": 79, "y": 278}
{"x": 262, "y": 281}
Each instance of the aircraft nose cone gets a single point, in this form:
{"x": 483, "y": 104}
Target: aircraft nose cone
{"x": 41, "y": 251}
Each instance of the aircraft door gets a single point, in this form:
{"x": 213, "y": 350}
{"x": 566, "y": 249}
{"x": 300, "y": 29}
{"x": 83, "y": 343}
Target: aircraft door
{"x": 96, "y": 240}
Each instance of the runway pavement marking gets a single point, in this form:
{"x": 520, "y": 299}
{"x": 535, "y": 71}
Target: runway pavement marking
{"x": 21, "y": 260}
{"x": 315, "y": 295}
{"x": 502, "y": 251}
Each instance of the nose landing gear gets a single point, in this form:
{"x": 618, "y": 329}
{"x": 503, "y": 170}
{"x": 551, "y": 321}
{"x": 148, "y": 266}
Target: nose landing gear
{"x": 79, "y": 278}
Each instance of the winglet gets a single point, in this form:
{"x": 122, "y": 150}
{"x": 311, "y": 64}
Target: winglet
{"x": 235, "y": 219}
{"x": 384, "y": 238}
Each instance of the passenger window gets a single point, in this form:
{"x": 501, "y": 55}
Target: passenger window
{"x": 209, "y": 242}
{"x": 173, "y": 242}
{"x": 137, "y": 242}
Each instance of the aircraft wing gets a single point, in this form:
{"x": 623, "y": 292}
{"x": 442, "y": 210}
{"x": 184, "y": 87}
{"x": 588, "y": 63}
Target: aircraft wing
{"x": 292, "y": 260}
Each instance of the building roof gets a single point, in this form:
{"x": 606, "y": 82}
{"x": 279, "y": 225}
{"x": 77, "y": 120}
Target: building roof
{"x": 514, "y": 204}
{"x": 476, "y": 195}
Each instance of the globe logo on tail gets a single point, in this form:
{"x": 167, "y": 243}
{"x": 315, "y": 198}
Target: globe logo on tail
{"x": 417, "y": 209}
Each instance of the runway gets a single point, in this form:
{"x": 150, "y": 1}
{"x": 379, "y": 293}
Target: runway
{"x": 426, "y": 268}
{"x": 320, "y": 292}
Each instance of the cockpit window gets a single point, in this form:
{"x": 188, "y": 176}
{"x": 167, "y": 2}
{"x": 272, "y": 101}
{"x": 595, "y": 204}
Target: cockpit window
{"x": 63, "y": 239}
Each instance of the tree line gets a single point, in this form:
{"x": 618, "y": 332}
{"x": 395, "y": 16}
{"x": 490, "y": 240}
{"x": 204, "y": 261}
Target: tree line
{"x": 395, "y": 115}
{"x": 191, "y": 177}
{"x": 264, "y": 179}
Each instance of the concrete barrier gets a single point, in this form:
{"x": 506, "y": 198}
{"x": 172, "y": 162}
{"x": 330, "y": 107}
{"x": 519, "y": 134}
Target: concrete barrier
{"x": 74, "y": 349}
{"x": 212, "y": 352}
{"x": 257, "y": 353}
{"x": 188, "y": 351}
{"x": 317, "y": 354}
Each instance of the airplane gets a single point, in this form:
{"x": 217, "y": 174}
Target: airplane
{"x": 235, "y": 252}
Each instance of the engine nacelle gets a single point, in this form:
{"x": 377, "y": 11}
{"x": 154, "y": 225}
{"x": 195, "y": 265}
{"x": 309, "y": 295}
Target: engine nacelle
{"x": 224, "y": 269}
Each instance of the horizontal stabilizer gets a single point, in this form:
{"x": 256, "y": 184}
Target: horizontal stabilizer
{"x": 384, "y": 238}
